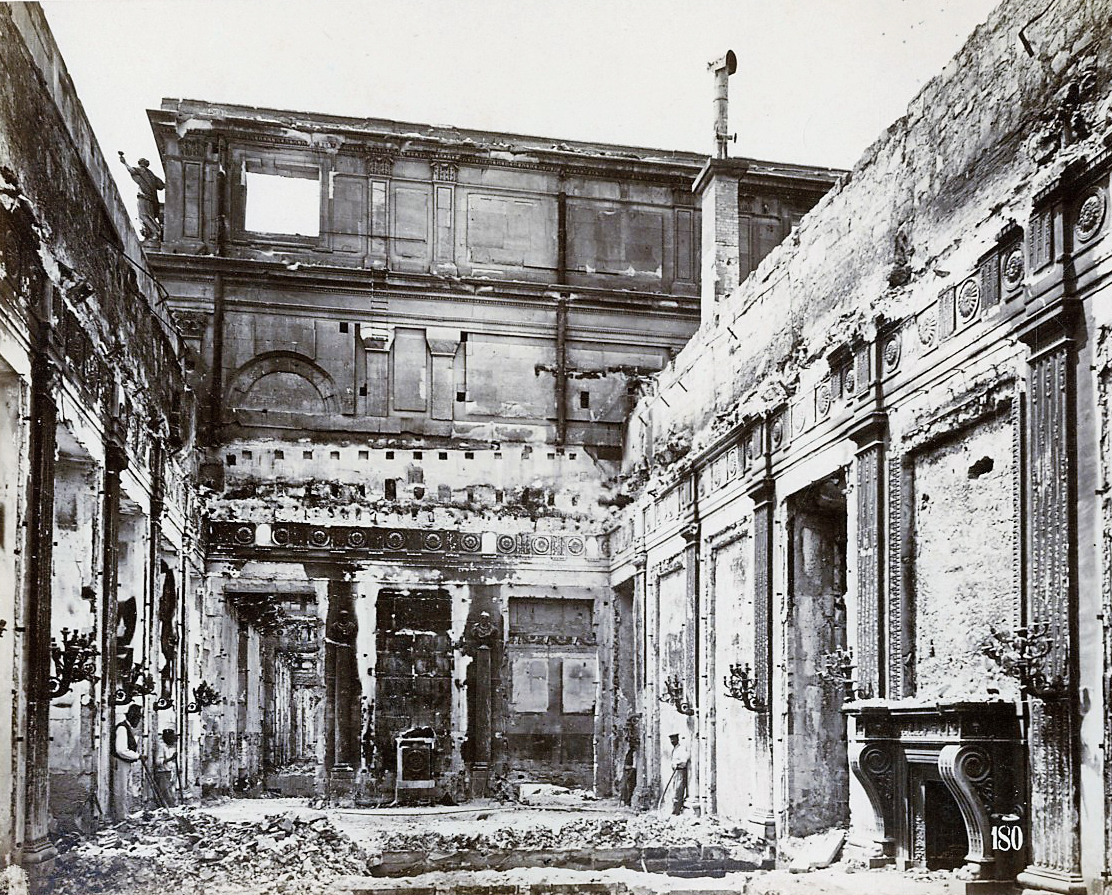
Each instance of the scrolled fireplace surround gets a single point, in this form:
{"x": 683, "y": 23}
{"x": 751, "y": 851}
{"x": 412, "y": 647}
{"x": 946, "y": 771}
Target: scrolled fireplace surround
{"x": 974, "y": 748}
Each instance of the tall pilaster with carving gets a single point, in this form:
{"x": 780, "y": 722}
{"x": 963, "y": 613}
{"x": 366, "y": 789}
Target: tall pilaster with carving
{"x": 1049, "y": 331}
{"x": 115, "y": 462}
{"x": 38, "y": 850}
{"x": 762, "y": 817}
{"x": 869, "y": 492}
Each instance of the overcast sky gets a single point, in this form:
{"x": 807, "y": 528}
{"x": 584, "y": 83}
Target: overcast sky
{"x": 817, "y": 80}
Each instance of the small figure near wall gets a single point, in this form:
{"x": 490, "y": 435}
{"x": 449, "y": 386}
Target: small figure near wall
{"x": 150, "y": 208}
{"x": 681, "y": 757}
{"x": 125, "y": 743}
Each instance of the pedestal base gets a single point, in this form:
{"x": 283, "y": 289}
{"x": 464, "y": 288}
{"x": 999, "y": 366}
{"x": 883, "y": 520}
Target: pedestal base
{"x": 480, "y": 778}
{"x": 37, "y": 861}
{"x": 1040, "y": 880}
{"x": 762, "y": 824}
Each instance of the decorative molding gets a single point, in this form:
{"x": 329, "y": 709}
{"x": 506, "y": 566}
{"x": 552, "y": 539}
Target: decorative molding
{"x": 873, "y": 765}
{"x": 968, "y": 299}
{"x": 981, "y": 401}
{"x": 445, "y": 170}
{"x": 234, "y": 537}
{"x": 1091, "y": 211}
{"x": 192, "y": 323}
{"x": 379, "y": 164}
{"x": 899, "y": 647}
{"x": 669, "y": 566}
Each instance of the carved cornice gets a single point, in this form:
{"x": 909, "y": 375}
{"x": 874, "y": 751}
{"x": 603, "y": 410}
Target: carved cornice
{"x": 672, "y": 564}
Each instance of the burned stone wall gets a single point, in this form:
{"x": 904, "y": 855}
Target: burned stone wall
{"x": 995, "y": 132}
{"x": 948, "y": 383}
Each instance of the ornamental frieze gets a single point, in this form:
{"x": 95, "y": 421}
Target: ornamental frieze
{"x": 236, "y": 537}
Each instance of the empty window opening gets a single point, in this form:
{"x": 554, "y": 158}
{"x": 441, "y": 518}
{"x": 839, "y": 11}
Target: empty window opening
{"x": 497, "y": 455}
{"x": 391, "y": 489}
{"x": 279, "y": 455}
{"x": 443, "y": 455}
{"x": 468, "y": 455}
{"x": 231, "y": 459}
{"x": 551, "y": 456}
{"x": 334, "y": 455}
{"x": 584, "y": 399}
{"x": 498, "y": 496}
{"x": 417, "y": 455}
{"x": 389, "y": 455}
{"x": 461, "y": 396}
{"x": 364, "y": 455}
{"x": 287, "y": 203}
{"x": 981, "y": 467}
{"x": 246, "y": 455}
{"x": 306, "y": 455}
{"x": 343, "y": 326}
{"x": 363, "y": 391}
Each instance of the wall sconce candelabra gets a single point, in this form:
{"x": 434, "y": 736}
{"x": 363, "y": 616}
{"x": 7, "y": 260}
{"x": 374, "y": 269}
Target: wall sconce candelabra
{"x": 837, "y": 670}
{"x": 741, "y": 684}
{"x": 673, "y": 695}
{"x": 1020, "y": 654}
{"x": 74, "y": 660}
{"x": 204, "y": 695}
{"x": 131, "y": 682}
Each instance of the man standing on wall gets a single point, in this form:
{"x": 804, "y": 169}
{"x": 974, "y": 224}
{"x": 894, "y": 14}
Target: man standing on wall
{"x": 681, "y": 757}
{"x": 125, "y": 746}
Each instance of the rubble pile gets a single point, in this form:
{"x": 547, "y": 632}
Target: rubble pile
{"x": 188, "y": 851}
{"x": 640, "y": 831}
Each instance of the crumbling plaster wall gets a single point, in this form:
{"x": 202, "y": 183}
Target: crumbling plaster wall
{"x": 964, "y": 581}
{"x": 74, "y": 717}
{"x": 922, "y": 203}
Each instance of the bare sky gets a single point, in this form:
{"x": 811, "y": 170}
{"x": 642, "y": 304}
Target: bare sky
{"x": 817, "y": 80}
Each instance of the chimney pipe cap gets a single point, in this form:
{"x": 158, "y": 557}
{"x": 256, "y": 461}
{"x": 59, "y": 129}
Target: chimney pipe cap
{"x": 728, "y": 62}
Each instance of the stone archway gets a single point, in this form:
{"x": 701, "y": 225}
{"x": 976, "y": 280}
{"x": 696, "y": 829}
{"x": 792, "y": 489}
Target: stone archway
{"x": 285, "y": 381}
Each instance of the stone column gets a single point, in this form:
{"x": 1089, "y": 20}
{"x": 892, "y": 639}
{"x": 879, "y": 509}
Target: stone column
{"x": 38, "y": 851}
{"x": 642, "y": 794}
{"x": 690, "y": 534}
{"x": 480, "y": 636}
{"x": 762, "y": 819}
{"x": 1054, "y": 812}
{"x": 115, "y": 462}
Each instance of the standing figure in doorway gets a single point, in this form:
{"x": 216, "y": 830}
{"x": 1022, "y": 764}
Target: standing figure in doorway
{"x": 125, "y": 748}
{"x": 681, "y": 757}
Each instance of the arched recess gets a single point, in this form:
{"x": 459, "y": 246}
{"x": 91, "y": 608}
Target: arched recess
{"x": 283, "y": 381}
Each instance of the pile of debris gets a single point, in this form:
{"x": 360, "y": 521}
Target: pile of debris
{"x": 187, "y": 851}
{"x": 639, "y": 831}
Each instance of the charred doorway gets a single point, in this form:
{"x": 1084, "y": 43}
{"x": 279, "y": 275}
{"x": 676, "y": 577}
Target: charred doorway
{"x": 817, "y": 765}
{"x": 413, "y": 677}
{"x": 553, "y": 670}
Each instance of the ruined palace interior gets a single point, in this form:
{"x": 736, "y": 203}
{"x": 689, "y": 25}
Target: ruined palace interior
{"x": 391, "y": 467}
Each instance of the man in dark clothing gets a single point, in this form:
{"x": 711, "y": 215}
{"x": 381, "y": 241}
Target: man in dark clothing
{"x": 125, "y": 747}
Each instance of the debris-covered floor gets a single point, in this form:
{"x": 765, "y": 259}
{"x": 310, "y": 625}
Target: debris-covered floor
{"x": 261, "y": 846}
